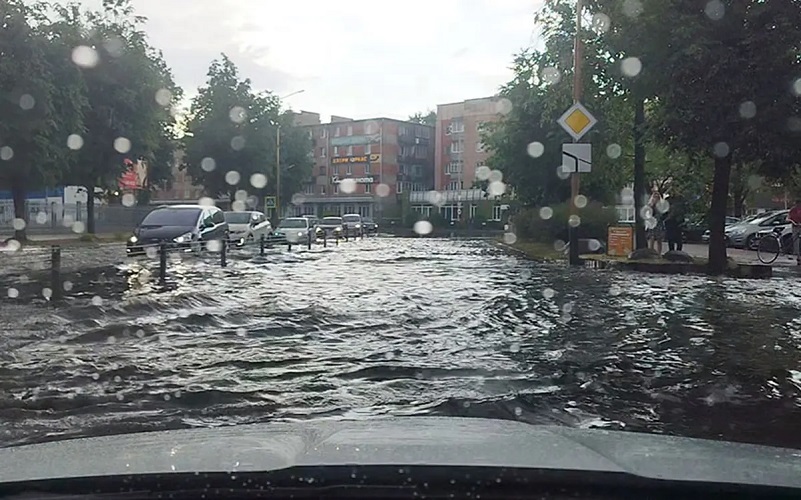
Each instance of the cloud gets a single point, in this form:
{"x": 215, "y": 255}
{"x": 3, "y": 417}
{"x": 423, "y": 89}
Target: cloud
{"x": 357, "y": 58}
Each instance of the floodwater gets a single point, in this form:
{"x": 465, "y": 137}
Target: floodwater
{"x": 390, "y": 326}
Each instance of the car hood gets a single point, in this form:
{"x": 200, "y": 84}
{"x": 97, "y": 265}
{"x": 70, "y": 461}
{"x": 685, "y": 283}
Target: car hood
{"x": 162, "y": 232}
{"x": 431, "y": 441}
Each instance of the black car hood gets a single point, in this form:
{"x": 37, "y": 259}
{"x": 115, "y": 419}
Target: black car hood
{"x": 432, "y": 441}
{"x": 147, "y": 233}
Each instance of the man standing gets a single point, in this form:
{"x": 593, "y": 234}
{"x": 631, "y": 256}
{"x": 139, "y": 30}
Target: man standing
{"x": 795, "y": 218}
{"x": 674, "y": 223}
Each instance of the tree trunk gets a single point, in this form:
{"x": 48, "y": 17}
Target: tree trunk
{"x": 738, "y": 190}
{"x": 90, "y": 209}
{"x": 717, "y": 216}
{"x": 18, "y": 196}
{"x": 639, "y": 172}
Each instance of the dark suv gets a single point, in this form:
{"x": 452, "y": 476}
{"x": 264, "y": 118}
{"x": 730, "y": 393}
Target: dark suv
{"x": 178, "y": 226}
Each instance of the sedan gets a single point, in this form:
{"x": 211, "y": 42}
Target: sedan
{"x": 247, "y": 227}
{"x": 296, "y": 230}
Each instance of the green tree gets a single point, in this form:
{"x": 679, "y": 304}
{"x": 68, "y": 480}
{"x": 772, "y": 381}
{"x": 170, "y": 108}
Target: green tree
{"x": 231, "y": 140}
{"x": 129, "y": 91}
{"x": 40, "y": 102}
{"x": 427, "y": 118}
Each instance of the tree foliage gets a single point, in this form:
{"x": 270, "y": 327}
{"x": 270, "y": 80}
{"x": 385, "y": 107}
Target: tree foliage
{"x": 427, "y": 118}
{"x": 232, "y": 136}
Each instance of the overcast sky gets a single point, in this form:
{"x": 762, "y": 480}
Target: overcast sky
{"x": 355, "y": 58}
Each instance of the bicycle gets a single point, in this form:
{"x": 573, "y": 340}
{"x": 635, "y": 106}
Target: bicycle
{"x": 773, "y": 244}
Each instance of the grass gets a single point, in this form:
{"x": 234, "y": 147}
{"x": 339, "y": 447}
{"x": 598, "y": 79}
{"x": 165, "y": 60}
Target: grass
{"x": 535, "y": 250}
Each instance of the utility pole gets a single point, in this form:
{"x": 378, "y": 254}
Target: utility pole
{"x": 278, "y": 159}
{"x": 575, "y": 177}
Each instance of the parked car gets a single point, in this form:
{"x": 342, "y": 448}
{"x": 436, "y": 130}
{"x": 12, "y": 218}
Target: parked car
{"x": 697, "y": 226}
{"x": 178, "y": 226}
{"x": 247, "y": 227}
{"x": 296, "y": 230}
{"x": 352, "y": 225}
{"x": 370, "y": 226}
{"x": 744, "y": 233}
{"x": 331, "y": 226}
{"x": 730, "y": 221}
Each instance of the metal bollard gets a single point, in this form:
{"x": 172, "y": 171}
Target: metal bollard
{"x": 162, "y": 263}
{"x": 261, "y": 244}
{"x": 325, "y": 239}
{"x": 288, "y": 245}
{"x": 55, "y": 271}
{"x": 309, "y": 237}
{"x": 224, "y": 253}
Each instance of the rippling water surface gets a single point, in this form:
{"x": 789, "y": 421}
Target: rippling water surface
{"x": 402, "y": 327}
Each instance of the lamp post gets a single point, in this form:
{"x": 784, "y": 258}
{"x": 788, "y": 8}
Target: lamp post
{"x": 278, "y": 158}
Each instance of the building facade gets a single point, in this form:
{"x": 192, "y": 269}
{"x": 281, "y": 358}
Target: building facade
{"x": 460, "y": 150}
{"x": 365, "y": 166}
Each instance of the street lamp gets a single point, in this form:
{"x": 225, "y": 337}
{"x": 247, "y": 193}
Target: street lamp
{"x": 278, "y": 157}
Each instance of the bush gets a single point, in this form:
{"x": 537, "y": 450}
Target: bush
{"x": 595, "y": 219}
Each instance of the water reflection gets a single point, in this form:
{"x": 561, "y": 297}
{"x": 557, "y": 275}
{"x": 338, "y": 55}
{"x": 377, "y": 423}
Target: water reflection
{"x": 403, "y": 327}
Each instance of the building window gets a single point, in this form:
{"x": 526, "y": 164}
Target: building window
{"x": 455, "y": 186}
{"x": 496, "y": 212}
{"x": 336, "y": 132}
{"x": 367, "y": 168}
{"x": 473, "y": 209}
{"x": 454, "y": 167}
{"x": 349, "y": 169}
{"x": 311, "y": 134}
{"x": 368, "y": 188}
{"x": 322, "y": 152}
{"x": 456, "y": 127}
{"x": 336, "y": 188}
{"x": 368, "y": 128}
{"x": 364, "y": 210}
{"x": 479, "y": 147}
{"x": 323, "y": 133}
{"x": 368, "y": 148}
{"x": 336, "y": 150}
{"x": 322, "y": 189}
{"x": 322, "y": 169}
{"x": 350, "y": 150}
{"x": 308, "y": 189}
{"x": 457, "y": 147}
{"x": 350, "y": 129}
{"x": 399, "y": 188}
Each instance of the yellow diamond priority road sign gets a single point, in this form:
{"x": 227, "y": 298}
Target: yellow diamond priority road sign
{"x": 577, "y": 121}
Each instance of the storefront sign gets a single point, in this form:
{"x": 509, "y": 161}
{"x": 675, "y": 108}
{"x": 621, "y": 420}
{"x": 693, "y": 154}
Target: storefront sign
{"x": 620, "y": 240}
{"x": 359, "y": 180}
{"x": 356, "y": 159}
{"x": 353, "y": 140}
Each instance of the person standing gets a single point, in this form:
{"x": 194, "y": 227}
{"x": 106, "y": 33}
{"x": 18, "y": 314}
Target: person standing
{"x": 674, "y": 225}
{"x": 657, "y": 231}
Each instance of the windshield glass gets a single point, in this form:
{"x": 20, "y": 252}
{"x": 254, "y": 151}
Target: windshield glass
{"x": 238, "y": 217}
{"x": 293, "y": 223}
{"x": 172, "y": 217}
{"x": 549, "y": 181}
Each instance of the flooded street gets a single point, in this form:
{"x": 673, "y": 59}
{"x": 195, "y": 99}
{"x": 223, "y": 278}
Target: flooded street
{"x": 389, "y": 326}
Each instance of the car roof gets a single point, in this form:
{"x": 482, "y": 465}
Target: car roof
{"x": 197, "y": 207}
{"x": 357, "y": 215}
{"x": 243, "y": 212}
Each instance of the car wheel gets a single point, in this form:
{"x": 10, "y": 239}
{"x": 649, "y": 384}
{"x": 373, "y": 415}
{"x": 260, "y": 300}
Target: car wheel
{"x": 750, "y": 242}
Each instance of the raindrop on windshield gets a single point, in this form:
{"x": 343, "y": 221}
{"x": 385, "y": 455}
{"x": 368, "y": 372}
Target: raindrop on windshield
{"x": 632, "y": 8}
{"x": 214, "y": 246}
{"x": 495, "y": 176}
{"x": 662, "y": 206}
{"x": 594, "y": 245}
{"x": 140, "y": 333}
{"x": 13, "y": 293}
{"x": 238, "y": 143}
{"x": 715, "y": 10}
{"x": 240, "y": 195}
{"x": 241, "y": 332}
{"x": 382, "y": 190}
{"x": 347, "y": 186}
{"x": 97, "y": 300}
{"x": 503, "y": 106}
{"x": 518, "y": 411}
{"x": 205, "y": 201}
{"x": 389, "y": 355}
{"x": 548, "y": 293}
{"x": 74, "y": 142}
{"x": 580, "y": 201}
{"x": 67, "y": 286}
{"x": 122, "y": 145}
{"x": 84, "y": 56}
{"x": 496, "y": 188}
{"x": 631, "y": 66}
{"x": 238, "y": 206}
{"x": 546, "y": 213}
{"x": 95, "y": 376}
{"x": 208, "y": 164}
{"x": 163, "y": 97}
{"x": 114, "y": 46}
{"x": 510, "y": 238}
{"x": 535, "y": 150}
{"x": 562, "y": 172}
{"x": 483, "y": 173}
{"x": 794, "y": 124}
{"x": 615, "y": 290}
{"x": 41, "y": 217}
{"x": 128, "y": 200}
{"x": 27, "y": 102}
{"x": 514, "y": 347}
{"x": 627, "y": 196}
{"x": 614, "y": 151}
{"x": 423, "y": 227}
{"x": 559, "y": 245}
{"x": 237, "y": 114}
{"x": 18, "y": 224}
{"x": 551, "y": 75}
{"x": 232, "y": 177}
{"x": 6, "y": 153}
{"x": 435, "y": 198}
{"x": 601, "y": 22}
{"x": 748, "y": 110}
{"x": 567, "y": 308}
{"x": 47, "y": 293}
{"x": 574, "y": 221}
{"x": 258, "y": 181}
{"x": 720, "y": 149}
{"x": 78, "y": 227}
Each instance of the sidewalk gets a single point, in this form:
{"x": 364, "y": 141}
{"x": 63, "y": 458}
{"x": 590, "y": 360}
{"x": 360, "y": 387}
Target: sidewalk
{"x": 739, "y": 255}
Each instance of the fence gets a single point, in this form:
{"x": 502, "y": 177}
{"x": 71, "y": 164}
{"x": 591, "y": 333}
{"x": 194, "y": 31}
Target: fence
{"x": 54, "y": 218}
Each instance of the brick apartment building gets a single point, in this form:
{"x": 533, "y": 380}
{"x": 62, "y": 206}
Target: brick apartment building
{"x": 385, "y": 158}
{"x": 458, "y": 136}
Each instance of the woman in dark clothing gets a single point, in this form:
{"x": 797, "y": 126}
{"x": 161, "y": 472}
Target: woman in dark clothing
{"x": 674, "y": 225}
